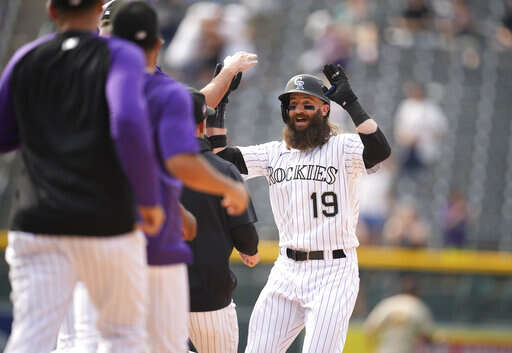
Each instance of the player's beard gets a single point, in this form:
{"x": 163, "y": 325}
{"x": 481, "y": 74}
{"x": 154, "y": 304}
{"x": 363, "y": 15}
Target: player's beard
{"x": 315, "y": 134}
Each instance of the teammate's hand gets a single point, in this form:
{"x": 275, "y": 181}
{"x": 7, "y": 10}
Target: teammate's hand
{"x": 153, "y": 218}
{"x": 189, "y": 225}
{"x": 250, "y": 260}
{"x": 236, "y": 199}
{"x": 340, "y": 92}
{"x": 240, "y": 61}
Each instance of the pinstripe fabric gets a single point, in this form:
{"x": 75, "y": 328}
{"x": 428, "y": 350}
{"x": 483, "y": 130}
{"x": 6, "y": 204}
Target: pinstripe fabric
{"x": 43, "y": 273}
{"x": 79, "y": 328}
{"x": 318, "y": 295}
{"x": 215, "y": 331}
{"x": 295, "y": 178}
{"x": 167, "y": 321}
{"x": 169, "y": 308}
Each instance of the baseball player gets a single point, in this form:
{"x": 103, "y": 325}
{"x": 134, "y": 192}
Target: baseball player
{"x": 170, "y": 113}
{"x": 80, "y": 122}
{"x": 213, "y": 320}
{"x": 313, "y": 178}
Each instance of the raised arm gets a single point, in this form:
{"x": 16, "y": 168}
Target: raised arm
{"x": 219, "y": 85}
{"x": 376, "y": 147}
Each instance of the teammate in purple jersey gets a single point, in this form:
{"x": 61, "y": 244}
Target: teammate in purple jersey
{"x": 80, "y": 122}
{"x": 173, "y": 131}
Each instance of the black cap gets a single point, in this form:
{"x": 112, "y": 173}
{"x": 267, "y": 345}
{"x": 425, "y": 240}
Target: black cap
{"x": 73, "y": 4}
{"x": 201, "y": 110}
{"x": 137, "y": 22}
{"x": 307, "y": 84}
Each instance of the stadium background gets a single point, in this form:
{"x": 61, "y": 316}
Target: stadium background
{"x": 466, "y": 70}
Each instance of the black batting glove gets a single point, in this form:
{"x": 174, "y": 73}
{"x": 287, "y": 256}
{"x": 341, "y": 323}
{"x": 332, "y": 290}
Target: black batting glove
{"x": 217, "y": 120}
{"x": 340, "y": 91}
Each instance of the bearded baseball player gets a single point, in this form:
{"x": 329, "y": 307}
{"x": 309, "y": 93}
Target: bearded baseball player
{"x": 172, "y": 123}
{"x": 313, "y": 176}
{"x": 73, "y": 104}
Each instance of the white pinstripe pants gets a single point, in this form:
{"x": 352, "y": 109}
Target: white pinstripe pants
{"x": 215, "y": 331}
{"x": 43, "y": 273}
{"x": 317, "y": 294}
{"x": 167, "y": 321}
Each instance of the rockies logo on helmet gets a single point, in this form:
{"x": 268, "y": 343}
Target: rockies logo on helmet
{"x": 307, "y": 84}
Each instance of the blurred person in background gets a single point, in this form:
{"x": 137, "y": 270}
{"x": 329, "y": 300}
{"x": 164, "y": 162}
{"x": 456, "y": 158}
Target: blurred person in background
{"x": 207, "y": 33}
{"x": 375, "y": 201}
{"x": 420, "y": 125}
{"x": 405, "y": 227}
{"x": 401, "y": 323}
{"x": 456, "y": 217}
{"x": 504, "y": 31}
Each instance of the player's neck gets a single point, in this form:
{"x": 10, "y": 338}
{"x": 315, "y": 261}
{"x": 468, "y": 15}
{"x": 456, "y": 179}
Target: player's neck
{"x": 84, "y": 23}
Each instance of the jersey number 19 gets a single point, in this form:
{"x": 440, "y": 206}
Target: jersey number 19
{"x": 329, "y": 202}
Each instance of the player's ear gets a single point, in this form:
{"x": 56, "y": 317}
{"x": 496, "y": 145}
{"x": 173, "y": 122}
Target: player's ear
{"x": 325, "y": 109}
{"x": 52, "y": 11}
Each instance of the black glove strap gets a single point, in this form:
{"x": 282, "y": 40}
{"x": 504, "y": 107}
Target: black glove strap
{"x": 217, "y": 120}
{"x": 357, "y": 113}
{"x": 218, "y": 141}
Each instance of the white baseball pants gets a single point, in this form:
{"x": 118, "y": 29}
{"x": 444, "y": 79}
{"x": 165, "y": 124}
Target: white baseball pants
{"x": 43, "y": 273}
{"x": 215, "y": 331}
{"x": 167, "y": 321}
{"x": 316, "y": 294}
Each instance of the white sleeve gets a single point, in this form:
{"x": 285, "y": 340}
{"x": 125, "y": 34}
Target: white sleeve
{"x": 352, "y": 148}
{"x": 256, "y": 159}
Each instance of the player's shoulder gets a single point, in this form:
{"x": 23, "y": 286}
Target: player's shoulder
{"x": 222, "y": 165}
{"x": 126, "y": 50}
{"x": 25, "y": 49}
{"x": 166, "y": 89}
{"x": 347, "y": 139}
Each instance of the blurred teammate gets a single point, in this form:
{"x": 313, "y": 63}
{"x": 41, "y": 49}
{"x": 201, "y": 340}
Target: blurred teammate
{"x": 170, "y": 112}
{"x": 213, "y": 319}
{"x": 313, "y": 176}
{"x": 399, "y": 323}
{"x": 73, "y": 103}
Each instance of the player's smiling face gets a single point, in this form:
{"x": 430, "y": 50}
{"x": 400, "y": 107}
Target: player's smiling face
{"x": 303, "y": 108}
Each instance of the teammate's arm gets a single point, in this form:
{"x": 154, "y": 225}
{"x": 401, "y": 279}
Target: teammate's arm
{"x": 189, "y": 224}
{"x": 215, "y": 90}
{"x": 9, "y": 138}
{"x": 130, "y": 131}
{"x": 376, "y": 147}
{"x": 197, "y": 174}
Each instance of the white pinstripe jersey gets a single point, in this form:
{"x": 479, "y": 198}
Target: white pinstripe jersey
{"x": 313, "y": 194}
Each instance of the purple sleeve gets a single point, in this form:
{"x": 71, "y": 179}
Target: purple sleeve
{"x": 176, "y": 128}
{"x": 9, "y": 138}
{"x": 129, "y": 121}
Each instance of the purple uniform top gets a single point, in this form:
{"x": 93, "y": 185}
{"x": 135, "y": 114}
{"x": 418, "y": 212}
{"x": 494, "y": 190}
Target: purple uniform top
{"x": 64, "y": 147}
{"x": 172, "y": 122}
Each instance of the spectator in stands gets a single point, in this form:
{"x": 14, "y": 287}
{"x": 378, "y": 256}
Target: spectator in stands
{"x": 405, "y": 227}
{"x": 460, "y": 21}
{"x": 504, "y": 32}
{"x": 419, "y": 128}
{"x": 400, "y": 323}
{"x": 208, "y": 32}
{"x": 455, "y": 221}
{"x": 375, "y": 201}
{"x": 417, "y": 16}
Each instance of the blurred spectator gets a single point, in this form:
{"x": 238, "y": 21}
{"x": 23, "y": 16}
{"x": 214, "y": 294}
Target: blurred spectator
{"x": 417, "y": 16}
{"x": 208, "y": 33}
{"x": 419, "y": 128}
{"x": 375, "y": 201}
{"x": 332, "y": 42}
{"x": 455, "y": 221}
{"x": 170, "y": 14}
{"x": 459, "y": 21}
{"x": 405, "y": 227}
{"x": 400, "y": 323}
{"x": 504, "y": 32}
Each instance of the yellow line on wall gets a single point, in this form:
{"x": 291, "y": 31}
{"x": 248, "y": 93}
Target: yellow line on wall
{"x": 422, "y": 260}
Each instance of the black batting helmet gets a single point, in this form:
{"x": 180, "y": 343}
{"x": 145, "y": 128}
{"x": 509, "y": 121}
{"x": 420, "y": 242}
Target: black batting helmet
{"x": 304, "y": 83}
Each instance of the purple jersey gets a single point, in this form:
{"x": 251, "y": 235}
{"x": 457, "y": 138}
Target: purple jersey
{"x": 172, "y": 122}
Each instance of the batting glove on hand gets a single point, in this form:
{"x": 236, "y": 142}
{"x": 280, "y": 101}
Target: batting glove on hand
{"x": 218, "y": 119}
{"x": 340, "y": 91}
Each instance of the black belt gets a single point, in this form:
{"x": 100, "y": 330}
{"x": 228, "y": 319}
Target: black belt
{"x": 312, "y": 255}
